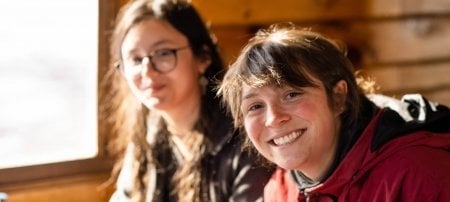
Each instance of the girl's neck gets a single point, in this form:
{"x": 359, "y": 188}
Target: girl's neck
{"x": 181, "y": 121}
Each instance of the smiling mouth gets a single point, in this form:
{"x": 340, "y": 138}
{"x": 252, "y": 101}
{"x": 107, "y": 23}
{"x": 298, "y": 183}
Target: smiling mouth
{"x": 291, "y": 137}
{"x": 152, "y": 89}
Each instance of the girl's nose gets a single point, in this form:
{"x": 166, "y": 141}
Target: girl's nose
{"x": 147, "y": 67}
{"x": 276, "y": 116}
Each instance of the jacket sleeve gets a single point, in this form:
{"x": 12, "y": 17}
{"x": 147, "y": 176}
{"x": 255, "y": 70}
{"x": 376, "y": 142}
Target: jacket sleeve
{"x": 415, "y": 173}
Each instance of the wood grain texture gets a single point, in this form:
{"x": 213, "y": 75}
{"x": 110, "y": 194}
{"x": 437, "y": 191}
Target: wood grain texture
{"x": 68, "y": 189}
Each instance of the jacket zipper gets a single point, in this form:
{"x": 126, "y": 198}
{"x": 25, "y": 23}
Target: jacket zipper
{"x": 306, "y": 194}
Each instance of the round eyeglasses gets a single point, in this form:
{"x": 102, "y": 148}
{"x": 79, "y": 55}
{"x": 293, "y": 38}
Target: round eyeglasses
{"x": 162, "y": 61}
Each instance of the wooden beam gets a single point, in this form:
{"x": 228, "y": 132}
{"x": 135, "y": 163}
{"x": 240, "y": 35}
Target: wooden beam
{"x": 238, "y": 12}
{"x": 255, "y": 12}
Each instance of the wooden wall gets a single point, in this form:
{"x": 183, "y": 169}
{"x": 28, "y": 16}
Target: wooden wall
{"x": 403, "y": 44}
{"x": 86, "y": 187}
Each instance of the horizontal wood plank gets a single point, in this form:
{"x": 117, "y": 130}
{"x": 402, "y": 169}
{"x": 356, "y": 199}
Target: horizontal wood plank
{"x": 441, "y": 96}
{"x": 68, "y": 189}
{"x": 231, "y": 40}
{"x": 396, "y": 8}
{"x": 238, "y": 12}
{"x": 400, "y": 41}
{"x": 432, "y": 80}
{"x": 412, "y": 77}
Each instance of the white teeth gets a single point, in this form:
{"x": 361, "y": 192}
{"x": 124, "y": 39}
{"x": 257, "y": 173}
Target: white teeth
{"x": 287, "y": 139}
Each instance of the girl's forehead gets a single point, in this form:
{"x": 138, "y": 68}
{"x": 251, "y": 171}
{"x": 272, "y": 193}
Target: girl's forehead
{"x": 249, "y": 91}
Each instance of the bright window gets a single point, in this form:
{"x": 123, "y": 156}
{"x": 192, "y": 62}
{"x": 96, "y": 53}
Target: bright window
{"x": 48, "y": 81}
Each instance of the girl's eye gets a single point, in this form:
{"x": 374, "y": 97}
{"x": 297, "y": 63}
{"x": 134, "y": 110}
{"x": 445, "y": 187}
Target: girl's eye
{"x": 293, "y": 95}
{"x": 163, "y": 53}
{"x": 136, "y": 60}
{"x": 254, "y": 107}
{"x": 251, "y": 108}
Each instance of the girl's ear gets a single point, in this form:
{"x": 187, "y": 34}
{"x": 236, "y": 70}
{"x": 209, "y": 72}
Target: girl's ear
{"x": 340, "y": 96}
{"x": 204, "y": 60}
{"x": 204, "y": 64}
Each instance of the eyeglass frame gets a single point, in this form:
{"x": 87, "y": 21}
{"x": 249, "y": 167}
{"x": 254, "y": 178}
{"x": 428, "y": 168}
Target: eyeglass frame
{"x": 173, "y": 51}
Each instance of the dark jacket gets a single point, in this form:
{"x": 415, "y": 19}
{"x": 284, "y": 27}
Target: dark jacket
{"x": 392, "y": 159}
{"x": 229, "y": 173}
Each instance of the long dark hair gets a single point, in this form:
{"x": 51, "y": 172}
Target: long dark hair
{"x": 130, "y": 118}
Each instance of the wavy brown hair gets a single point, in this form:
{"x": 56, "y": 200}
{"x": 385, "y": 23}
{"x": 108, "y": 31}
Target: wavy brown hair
{"x": 130, "y": 119}
{"x": 285, "y": 54}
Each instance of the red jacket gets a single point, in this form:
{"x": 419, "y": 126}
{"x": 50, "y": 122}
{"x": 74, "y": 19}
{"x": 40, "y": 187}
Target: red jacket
{"x": 412, "y": 167}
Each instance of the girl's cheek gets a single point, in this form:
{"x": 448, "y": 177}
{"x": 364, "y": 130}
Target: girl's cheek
{"x": 252, "y": 128}
{"x": 304, "y": 109}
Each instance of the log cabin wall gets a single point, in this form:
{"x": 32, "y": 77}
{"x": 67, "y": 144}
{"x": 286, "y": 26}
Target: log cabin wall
{"x": 402, "y": 44}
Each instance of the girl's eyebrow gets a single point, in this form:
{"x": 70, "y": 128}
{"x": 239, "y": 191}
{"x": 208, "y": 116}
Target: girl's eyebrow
{"x": 161, "y": 42}
{"x": 248, "y": 96}
{"x": 152, "y": 46}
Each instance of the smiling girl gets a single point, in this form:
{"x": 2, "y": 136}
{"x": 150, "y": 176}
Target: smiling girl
{"x": 295, "y": 94}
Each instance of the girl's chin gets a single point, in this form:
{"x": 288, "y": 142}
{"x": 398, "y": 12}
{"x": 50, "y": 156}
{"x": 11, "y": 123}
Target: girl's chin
{"x": 288, "y": 164}
{"x": 153, "y": 103}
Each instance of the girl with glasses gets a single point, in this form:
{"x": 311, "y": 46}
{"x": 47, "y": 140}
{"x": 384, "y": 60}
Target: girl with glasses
{"x": 178, "y": 143}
